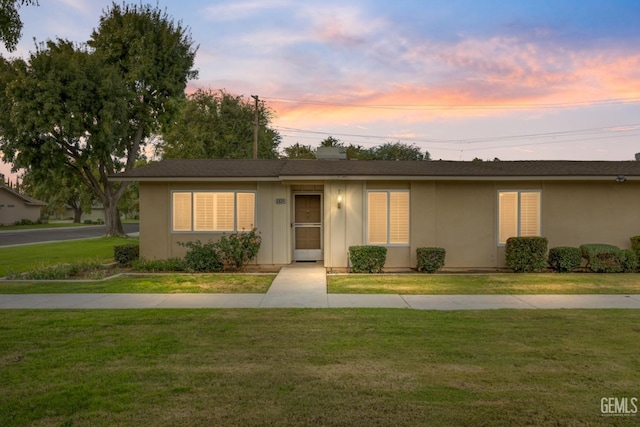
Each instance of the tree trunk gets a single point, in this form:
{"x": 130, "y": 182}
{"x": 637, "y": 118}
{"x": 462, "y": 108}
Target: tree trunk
{"x": 77, "y": 215}
{"x": 112, "y": 220}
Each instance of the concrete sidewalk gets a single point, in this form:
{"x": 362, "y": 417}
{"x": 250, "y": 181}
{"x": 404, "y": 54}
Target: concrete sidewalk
{"x": 304, "y": 285}
{"x": 418, "y": 302}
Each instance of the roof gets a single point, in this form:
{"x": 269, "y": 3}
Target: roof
{"x": 26, "y": 199}
{"x": 217, "y": 169}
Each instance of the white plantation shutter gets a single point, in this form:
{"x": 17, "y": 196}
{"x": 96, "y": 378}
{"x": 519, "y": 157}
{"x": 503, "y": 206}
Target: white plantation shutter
{"x": 181, "y": 211}
{"x": 508, "y": 215}
{"x": 203, "y": 207}
{"x": 246, "y": 203}
{"x": 224, "y": 212}
{"x": 213, "y": 211}
{"x": 377, "y": 217}
{"x": 398, "y": 217}
{"x": 388, "y": 217}
{"x": 530, "y": 213}
{"x": 519, "y": 214}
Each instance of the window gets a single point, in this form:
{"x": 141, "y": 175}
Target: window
{"x": 519, "y": 214}
{"x": 388, "y": 218}
{"x": 213, "y": 211}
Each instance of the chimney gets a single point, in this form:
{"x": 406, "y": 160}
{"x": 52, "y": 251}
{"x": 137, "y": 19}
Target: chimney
{"x": 637, "y": 156}
{"x": 331, "y": 153}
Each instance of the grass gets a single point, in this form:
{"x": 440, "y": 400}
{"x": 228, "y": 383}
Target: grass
{"x": 506, "y": 283}
{"x": 168, "y": 283}
{"x": 315, "y": 367}
{"x": 22, "y": 258}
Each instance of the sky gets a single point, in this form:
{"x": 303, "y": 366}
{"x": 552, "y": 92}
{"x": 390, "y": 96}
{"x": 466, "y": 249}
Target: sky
{"x": 516, "y": 79}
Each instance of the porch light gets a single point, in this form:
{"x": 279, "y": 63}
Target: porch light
{"x": 339, "y": 200}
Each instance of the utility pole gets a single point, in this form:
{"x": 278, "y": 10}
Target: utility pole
{"x": 255, "y": 129}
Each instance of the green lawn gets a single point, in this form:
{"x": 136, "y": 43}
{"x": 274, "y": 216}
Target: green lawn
{"x": 505, "y": 283}
{"x": 20, "y": 258}
{"x": 315, "y": 367}
{"x": 168, "y": 283}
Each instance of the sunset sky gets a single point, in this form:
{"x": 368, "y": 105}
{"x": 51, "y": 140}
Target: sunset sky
{"x": 461, "y": 79}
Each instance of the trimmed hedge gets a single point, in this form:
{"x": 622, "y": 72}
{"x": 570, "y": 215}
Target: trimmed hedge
{"x": 629, "y": 261}
{"x": 126, "y": 254}
{"x": 565, "y": 259}
{"x": 430, "y": 260}
{"x": 635, "y": 246}
{"x": 526, "y": 254}
{"x": 367, "y": 259}
{"x": 603, "y": 258}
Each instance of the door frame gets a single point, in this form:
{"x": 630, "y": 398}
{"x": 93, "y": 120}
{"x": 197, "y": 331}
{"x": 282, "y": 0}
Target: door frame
{"x": 307, "y": 254}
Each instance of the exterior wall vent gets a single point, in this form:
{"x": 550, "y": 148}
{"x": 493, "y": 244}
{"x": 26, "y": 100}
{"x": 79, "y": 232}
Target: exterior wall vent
{"x": 331, "y": 153}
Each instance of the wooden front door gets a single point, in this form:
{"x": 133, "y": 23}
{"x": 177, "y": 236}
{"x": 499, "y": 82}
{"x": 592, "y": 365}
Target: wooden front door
{"x": 307, "y": 227}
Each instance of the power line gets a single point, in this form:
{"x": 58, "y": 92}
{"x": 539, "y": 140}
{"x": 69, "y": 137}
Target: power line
{"x": 426, "y": 107}
{"x": 557, "y": 134}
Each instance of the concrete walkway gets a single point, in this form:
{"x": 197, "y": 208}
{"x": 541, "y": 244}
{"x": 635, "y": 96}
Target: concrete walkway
{"x": 304, "y": 285}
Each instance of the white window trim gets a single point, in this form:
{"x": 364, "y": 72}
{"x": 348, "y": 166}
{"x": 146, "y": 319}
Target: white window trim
{"x": 519, "y": 231}
{"x": 388, "y": 191}
{"x": 235, "y": 211}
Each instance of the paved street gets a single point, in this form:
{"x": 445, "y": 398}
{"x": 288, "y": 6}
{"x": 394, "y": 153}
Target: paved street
{"x": 23, "y": 237}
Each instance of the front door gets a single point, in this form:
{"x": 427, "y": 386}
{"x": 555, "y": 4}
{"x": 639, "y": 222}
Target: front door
{"x": 307, "y": 227}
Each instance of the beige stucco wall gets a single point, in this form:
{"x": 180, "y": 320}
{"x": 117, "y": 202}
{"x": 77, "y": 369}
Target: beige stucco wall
{"x": 460, "y": 216}
{"x": 575, "y": 213}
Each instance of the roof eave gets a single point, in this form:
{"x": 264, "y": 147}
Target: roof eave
{"x": 288, "y": 178}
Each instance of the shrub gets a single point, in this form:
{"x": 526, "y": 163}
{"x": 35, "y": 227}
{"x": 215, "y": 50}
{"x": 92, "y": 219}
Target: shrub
{"x": 239, "y": 248}
{"x": 609, "y": 258}
{"x": 526, "y": 254}
{"x": 126, "y": 254}
{"x": 367, "y": 259}
{"x": 628, "y": 260}
{"x": 605, "y": 262}
{"x": 602, "y": 258}
{"x": 635, "y": 246}
{"x": 202, "y": 257}
{"x": 565, "y": 259}
{"x": 430, "y": 260}
{"x": 159, "y": 265}
{"x": 58, "y": 271}
{"x": 88, "y": 221}
{"x": 27, "y": 222}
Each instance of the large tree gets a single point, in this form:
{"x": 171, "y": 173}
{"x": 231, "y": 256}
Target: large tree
{"x": 395, "y": 151}
{"x": 90, "y": 110}
{"x": 297, "y": 151}
{"x": 10, "y": 22}
{"x": 219, "y": 125}
{"x": 60, "y": 189}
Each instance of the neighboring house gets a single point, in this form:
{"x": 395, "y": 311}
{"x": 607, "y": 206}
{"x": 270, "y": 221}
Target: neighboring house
{"x": 96, "y": 214}
{"x": 316, "y": 209}
{"x": 15, "y": 207}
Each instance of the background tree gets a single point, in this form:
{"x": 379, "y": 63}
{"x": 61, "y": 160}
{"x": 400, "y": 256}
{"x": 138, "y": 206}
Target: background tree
{"x": 59, "y": 188}
{"x": 395, "y": 151}
{"x": 297, "y": 151}
{"x": 219, "y": 125}
{"x": 96, "y": 107}
{"x": 10, "y": 22}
